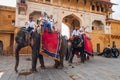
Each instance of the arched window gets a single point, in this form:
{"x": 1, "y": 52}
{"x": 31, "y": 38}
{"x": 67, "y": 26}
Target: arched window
{"x": 69, "y": 23}
{"x": 97, "y": 25}
{"x": 93, "y": 7}
{"x": 22, "y": 1}
{"x": 48, "y": 0}
{"x": 98, "y": 8}
{"x": 22, "y": 11}
{"x": 102, "y": 9}
{"x": 77, "y": 1}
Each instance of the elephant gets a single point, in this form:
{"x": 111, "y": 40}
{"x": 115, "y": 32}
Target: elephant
{"x": 77, "y": 45}
{"x": 24, "y": 38}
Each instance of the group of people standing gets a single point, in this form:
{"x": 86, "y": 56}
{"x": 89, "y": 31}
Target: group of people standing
{"x": 44, "y": 21}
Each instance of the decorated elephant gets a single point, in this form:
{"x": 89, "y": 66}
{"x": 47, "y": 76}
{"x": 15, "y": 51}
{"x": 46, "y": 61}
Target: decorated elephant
{"x": 83, "y": 46}
{"x": 24, "y": 38}
{"x": 77, "y": 46}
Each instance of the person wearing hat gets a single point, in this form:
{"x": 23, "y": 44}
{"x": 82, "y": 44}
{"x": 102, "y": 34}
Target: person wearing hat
{"x": 30, "y": 25}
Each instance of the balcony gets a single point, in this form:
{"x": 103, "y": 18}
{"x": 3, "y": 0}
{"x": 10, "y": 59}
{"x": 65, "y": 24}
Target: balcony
{"x": 106, "y": 0}
{"x": 22, "y": 5}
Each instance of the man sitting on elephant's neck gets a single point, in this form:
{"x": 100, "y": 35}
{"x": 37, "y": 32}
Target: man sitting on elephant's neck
{"x": 31, "y": 25}
{"x": 75, "y": 32}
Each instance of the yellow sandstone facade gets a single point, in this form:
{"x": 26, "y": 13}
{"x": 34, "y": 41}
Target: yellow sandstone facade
{"x": 7, "y": 21}
{"x": 93, "y": 14}
{"x": 115, "y": 33}
{"x": 72, "y": 13}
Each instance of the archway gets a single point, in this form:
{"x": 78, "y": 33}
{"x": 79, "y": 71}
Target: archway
{"x": 36, "y": 15}
{"x": 97, "y": 25}
{"x": 1, "y": 47}
{"x": 69, "y": 23}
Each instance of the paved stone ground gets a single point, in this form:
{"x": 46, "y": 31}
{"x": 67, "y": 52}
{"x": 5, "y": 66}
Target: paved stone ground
{"x": 97, "y": 68}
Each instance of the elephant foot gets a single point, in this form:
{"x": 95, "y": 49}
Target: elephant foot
{"x": 88, "y": 58}
{"x": 16, "y": 70}
{"x": 56, "y": 66}
{"x": 60, "y": 67}
{"x": 70, "y": 64}
{"x": 92, "y": 56}
{"x": 82, "y": 61}
{"x": 43, "y": 67}
{"x": 33, "y": 70}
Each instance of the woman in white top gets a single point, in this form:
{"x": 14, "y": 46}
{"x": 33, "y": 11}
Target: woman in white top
{"x": 52, "y": 23}
{"x": 45, "y": 22}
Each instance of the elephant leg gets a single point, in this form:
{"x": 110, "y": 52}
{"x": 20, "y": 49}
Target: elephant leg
{"x": 85, "y": 57}
{"x": 57, "y": 63}
{"x": 17, "y": 58}
{"x": 88, "y": 57}
{"x": 82, "y": 57}
{"x": 41, "y": 60}
{"x": 71, "y": 57}
{"x": 61, "y": 61}
{"x": 68, "y": 54}
{"x": 82, "y": 54}
{"x": 34, "y": 60}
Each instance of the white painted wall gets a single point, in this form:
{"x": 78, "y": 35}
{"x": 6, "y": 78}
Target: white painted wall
{"x": 59, "y": 13}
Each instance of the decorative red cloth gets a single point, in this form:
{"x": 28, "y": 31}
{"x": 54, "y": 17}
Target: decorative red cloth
{"x": 51, "y": 43}
{"x": 87, "y": 45}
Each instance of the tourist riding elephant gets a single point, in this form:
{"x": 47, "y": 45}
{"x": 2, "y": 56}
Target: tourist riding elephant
{"x": 23, "y": 39}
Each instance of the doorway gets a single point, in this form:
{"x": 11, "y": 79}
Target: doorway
{"x": 1, "y": 47}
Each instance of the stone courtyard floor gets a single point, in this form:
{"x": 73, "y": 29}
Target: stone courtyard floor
{"x": 97, "y": 68}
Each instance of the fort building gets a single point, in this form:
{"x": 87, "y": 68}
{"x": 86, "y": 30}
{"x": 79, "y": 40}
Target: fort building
{"x": 93, "y": 14}
{"x": 96, "y": 15}
{"x": 7, "y": 22}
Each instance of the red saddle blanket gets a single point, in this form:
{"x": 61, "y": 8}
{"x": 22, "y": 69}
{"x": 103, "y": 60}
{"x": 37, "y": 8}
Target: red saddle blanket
{"x": 51, "y": 44}
{"x": 87, "y": 45}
